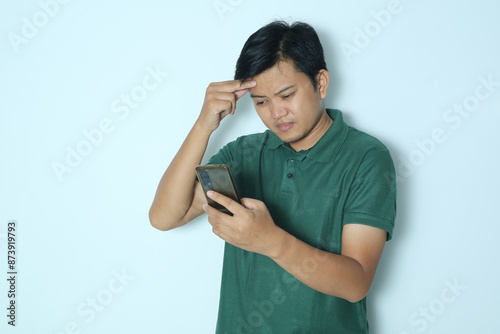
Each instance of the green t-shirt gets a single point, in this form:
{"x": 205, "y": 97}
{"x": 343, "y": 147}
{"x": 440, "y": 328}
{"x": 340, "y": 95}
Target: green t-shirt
{"x": 347, "y": 177}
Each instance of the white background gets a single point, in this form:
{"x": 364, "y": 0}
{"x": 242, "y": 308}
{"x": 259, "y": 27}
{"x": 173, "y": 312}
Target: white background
{"x": 65, "y": 68}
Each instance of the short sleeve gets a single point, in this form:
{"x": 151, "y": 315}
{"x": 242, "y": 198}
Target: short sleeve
{"x": 224, "y": 156}
{"x": 372, "y": 195}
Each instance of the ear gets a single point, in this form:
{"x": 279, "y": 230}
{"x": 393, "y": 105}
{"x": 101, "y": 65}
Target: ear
{"x": 323, "y": 79}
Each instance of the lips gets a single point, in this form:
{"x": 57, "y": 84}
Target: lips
{"x": 285, "y": 126}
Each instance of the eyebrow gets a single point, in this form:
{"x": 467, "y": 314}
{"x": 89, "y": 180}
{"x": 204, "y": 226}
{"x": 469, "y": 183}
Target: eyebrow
{"x": 278, "y": 93}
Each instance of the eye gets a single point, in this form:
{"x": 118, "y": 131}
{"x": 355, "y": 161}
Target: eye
{"x": 259, "y": 103}
{"x": 288, "y": 96}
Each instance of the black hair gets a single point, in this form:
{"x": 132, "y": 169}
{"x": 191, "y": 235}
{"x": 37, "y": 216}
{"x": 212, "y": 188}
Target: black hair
{"x": 280, "y": 41}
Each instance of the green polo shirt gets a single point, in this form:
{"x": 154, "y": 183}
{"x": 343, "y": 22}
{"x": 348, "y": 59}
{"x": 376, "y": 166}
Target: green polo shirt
{"x": 346, "y": 178}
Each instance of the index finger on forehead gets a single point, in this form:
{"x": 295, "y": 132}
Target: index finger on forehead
{"x": 235, "y": 85}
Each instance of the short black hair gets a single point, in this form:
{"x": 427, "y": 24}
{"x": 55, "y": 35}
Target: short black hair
{"x": 280, "y": 41}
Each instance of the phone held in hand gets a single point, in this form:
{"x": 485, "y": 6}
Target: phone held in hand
{"x": 219, "y": 179}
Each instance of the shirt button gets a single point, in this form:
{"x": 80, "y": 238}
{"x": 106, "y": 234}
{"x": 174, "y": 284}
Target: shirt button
{"x": 292, "y": 160}
{"x": 290, "y": 175}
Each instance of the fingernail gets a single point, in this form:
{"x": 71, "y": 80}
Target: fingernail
{"x": 205, "y": 207}
{"x": 210, "y": 193}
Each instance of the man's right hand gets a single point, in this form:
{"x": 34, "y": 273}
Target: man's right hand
{"x": 220, "y": 101}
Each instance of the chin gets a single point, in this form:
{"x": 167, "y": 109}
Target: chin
{"x": 290, "y": 139}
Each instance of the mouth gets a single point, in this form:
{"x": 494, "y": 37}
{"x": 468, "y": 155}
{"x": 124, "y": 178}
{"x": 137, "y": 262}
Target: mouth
{"x": 284, "y": 126}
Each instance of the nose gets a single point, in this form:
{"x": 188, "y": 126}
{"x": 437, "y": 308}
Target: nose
{"x": 278, "y": 111}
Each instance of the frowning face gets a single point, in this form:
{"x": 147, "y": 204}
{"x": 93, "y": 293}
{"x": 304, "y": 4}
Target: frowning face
{"x": 289, "y": 106}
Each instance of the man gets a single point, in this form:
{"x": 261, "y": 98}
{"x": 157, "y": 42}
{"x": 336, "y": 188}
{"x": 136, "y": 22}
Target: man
{"x": 318, "y": 196}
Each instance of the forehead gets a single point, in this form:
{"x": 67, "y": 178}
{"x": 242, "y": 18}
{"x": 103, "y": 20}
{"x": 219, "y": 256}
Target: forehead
{"x": 280, "y": 75}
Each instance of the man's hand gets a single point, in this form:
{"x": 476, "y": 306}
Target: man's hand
{"x": 220, "y": 101}
{"x": 251, "y": 227}
{"x": 347, "y": 275}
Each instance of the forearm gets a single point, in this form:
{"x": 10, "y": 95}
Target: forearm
{"x": 331, "y": 274}
{"x": 175, "y": 192}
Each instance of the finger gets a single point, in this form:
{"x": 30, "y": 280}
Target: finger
{"x": 226, "y": 101}
{"x": 237, "y": 95}
{"x": 224, "y": 114}
{"x": 230, "y": 91}
{"x": 221, "y": 235}
{"x": 220, "y": 226}
{"x": 222, "y": 103}
{"x": 240, "y": 93}
{"x": 233, "y": 85}
{"x": 243, "y": 88}
{"x": 225, "y": 201}
{"x": 246, "y": 85}
{"x": 250, "y": 203}
{"x": 219, "y": 220}
{"x": 212, "y": 213}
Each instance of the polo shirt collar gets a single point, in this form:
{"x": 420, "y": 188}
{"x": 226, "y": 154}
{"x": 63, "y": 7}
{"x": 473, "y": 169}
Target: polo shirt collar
{"x": 327, "y": 148}
{"x": 274, "y": 141}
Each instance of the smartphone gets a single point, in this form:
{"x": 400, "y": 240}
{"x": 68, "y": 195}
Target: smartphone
{"x": 217, "y": 178}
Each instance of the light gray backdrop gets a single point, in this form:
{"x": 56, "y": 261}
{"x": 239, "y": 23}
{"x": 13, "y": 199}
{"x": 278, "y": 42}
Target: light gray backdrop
{"x": 96, "y": 98}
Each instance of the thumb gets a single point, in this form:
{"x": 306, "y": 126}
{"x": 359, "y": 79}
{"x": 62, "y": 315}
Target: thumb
{"x": 245, "y": 86}
{"x": 240, "y": 93}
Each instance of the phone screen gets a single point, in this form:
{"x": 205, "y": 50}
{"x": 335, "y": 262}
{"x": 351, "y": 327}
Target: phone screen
{"x": 217, "y": 178}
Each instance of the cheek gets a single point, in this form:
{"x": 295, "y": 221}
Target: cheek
{"x": 307, "y": 100}
{"x": 296, "y": 104}
{"x": 263, "y": 115}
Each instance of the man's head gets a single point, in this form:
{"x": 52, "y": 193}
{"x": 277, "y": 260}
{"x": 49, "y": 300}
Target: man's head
{"x": 279, "y": 41}
{"x": 288, "y": 66}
